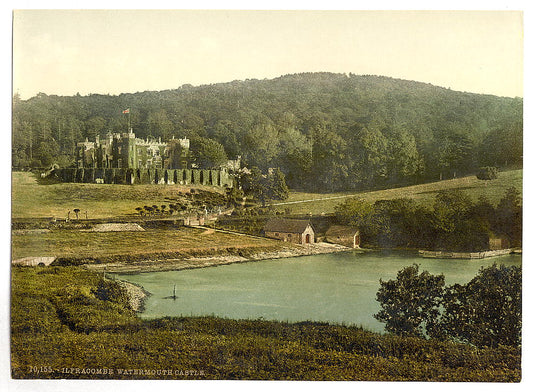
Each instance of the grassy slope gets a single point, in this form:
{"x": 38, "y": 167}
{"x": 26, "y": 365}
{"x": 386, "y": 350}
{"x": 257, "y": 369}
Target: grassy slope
{"x": 31, "y": 200}
{"x": 73, "y": 243}
{"x": 424, "y": 193}
{"x": 58, "y": 321}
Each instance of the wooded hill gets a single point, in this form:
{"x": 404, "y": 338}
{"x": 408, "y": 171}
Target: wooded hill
{"x": 325, "y": 131}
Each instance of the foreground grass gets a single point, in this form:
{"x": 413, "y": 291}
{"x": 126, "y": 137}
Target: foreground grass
{"x": 317, "y": 203}
{"x": 64, "y": 243}
{"x": 68, "y": 323}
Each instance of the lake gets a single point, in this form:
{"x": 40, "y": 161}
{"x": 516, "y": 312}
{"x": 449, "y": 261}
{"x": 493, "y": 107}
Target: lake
{"x": 338, "y": 287}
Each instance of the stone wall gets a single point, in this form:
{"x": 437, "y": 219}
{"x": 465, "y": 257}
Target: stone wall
{"x": 146, "y": 176}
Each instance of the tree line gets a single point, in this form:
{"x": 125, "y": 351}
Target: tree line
{"x": 325, "y": 131}
{"x": 454, "y": 223}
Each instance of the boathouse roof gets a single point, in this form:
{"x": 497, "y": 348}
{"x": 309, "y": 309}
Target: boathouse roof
{"x": 281, "y": 225}
{"x": 341, "y": 231}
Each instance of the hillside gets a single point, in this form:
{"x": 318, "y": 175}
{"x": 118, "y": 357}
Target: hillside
{"x": 318, "y": 203}
{"x": 327, "y": 132}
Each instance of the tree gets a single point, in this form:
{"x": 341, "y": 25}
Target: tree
{"x": 451, "y": 206}
{"x": 253, "y": 184}
{"x": 397, "y": 220}
{"x": 410, "y": 303}
{"x": 503, "y": 146}
{"x": 76, "y": 211}
{"x": 509, "y": 216}
{"x": 358, "y": 213}
{"x": 371, "y": 156}
{"x": 208, "y": 153}
{"x": 295, "y": 156}
{"x": 487, "y": 311}
{"x": 159, "y": 125}
{"x": 277, "y": 188}
{"x": 487, "y": 173}
{"x": 265, "y": 187}
{"x": 404, "y": 162}
{"x": 330, "y": 164}
{"x": 261, "y": 143}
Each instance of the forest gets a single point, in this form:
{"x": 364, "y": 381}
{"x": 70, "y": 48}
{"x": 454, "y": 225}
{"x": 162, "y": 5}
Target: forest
{"x": 326, "y": 132}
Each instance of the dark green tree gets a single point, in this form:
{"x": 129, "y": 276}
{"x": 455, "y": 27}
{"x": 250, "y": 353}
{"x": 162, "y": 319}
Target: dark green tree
{"x": 410, "y": 303}
{"x": 276, "y": 187}
{"x": 397, "y": 220}
{"x": 159, "y": 124}
{"x": 254, "y": 184}
{"x": 487, "y": 173}
{"x": 509, "y": 216}
{"x": 487, "y": 311}
{"x": 208, "y": 153}
{"x": 450, "y": 210}
{"x": 330, "y": 162}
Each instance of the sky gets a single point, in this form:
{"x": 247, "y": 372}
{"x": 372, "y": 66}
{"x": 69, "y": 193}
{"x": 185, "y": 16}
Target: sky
{"x": 65, "y": 52}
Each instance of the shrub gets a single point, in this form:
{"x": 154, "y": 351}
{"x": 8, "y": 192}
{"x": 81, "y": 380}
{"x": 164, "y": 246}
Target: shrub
{"x": 487, "y": 173}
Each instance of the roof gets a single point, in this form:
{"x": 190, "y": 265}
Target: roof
{"x": 287, "y": 225}
{"x": 339, "y": 231}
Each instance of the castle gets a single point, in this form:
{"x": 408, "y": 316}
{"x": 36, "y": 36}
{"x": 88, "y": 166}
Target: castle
{"x": 125, "y": 151}
{"x": 122, "y": 158}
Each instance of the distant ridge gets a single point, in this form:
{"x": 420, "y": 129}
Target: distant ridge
{"x": 326, "y": 131}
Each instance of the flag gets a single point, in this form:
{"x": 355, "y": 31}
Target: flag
{"x": 126, "y": 111}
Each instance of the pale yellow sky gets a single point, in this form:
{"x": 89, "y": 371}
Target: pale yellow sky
{"x": 66, "y": 51}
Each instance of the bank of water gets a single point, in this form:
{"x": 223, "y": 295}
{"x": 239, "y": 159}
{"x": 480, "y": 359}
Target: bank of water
{"x": 338, "y": 288}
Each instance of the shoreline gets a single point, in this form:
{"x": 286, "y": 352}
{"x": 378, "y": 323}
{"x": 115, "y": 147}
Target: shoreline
{"x": 214, "y": 260}
{"x": 136, "y": 294}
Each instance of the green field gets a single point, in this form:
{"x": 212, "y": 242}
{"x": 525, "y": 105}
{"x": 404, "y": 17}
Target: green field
{"x": 318, "y": 203}
{"x": 33, "y": 200}
{"x": 81, "y": 244}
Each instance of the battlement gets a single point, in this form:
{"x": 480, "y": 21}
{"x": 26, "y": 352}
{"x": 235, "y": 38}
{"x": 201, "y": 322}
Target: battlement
{"x": 126, "y": 151}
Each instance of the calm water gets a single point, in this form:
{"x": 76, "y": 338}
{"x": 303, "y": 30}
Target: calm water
{"x": 338, "y": 288}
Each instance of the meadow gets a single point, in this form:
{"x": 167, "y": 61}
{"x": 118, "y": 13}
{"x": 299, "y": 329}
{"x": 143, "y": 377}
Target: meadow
{"x": 319, "y": 203}
{"x": 79, "y": 245}
{"x": 32, "y": 198}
